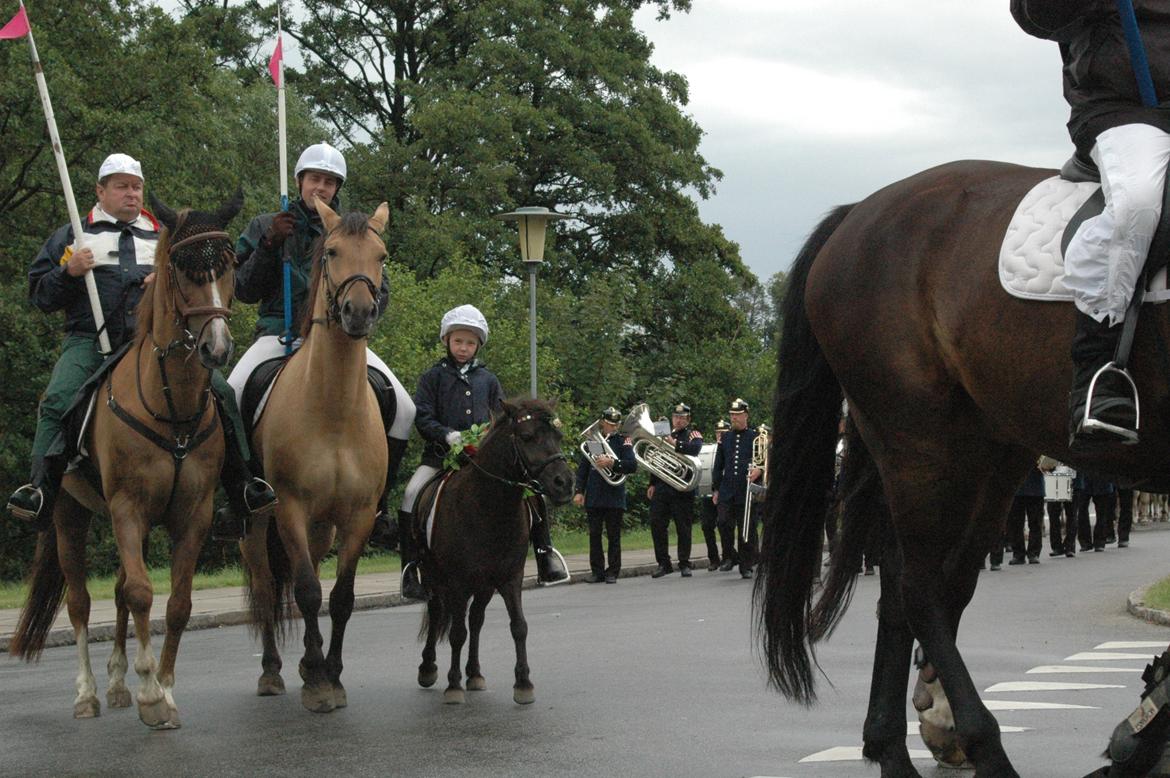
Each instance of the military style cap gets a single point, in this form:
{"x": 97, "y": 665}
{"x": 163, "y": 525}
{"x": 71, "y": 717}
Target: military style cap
{"x": 722, "y": 426}
{"x": 120, "y": 163}
{"x": 611, "y": 414}
{"x": 682, "y": 409}
{"x": 738, "y": 405}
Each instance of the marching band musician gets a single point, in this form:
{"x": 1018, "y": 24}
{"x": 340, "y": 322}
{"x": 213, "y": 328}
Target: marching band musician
{"x": 605, "y": 503}
{"x": 709, "y": 520}
{"x": 733, "y": 468}
{"x": 666, "y": 502}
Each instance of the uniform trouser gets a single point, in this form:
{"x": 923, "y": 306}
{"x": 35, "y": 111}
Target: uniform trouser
{"x": 611, "y": 520}
{"x": 1103, "y": 507}
{"x": 269, "y": 347}
{"x": 1105, "y": 257}
{"x": 731, "y": 520}
{"x": 1124, "y": 513}
{"x": 708, "y": 521}
{"x": 662, "y": 510}
{"x": 1033, "y": 509}
{"x": 1066, "y": 539}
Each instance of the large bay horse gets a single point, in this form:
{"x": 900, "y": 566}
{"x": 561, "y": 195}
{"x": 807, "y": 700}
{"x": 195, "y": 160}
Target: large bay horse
{"x": 955, "y": 387}
{"x": 323, "y": 447}
{"x": 155, "y": 446}
{"x": 479, "y": 540}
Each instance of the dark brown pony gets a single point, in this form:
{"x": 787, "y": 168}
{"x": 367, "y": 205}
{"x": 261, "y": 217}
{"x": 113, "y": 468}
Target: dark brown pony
{"x": 955, "y": 387}
{"x": 156, "y": 445}
{"x": 480, "y": 540}
{"x": 323, "y": 447}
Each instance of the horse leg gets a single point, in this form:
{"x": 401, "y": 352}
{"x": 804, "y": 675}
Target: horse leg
{"x": 522, "y": 690}
{"x": 341, "y": 608}
{"x": 117, "y": 695}
{"x": 428, "y": 670}
{"x": 72, "y": 522}
{"x": 457, "y": 605}
{"x": 475, "y": 680}
{"x": 263, "y": 598}
{"x": 317, "y": 691}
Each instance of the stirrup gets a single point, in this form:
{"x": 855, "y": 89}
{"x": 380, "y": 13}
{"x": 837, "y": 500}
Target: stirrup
{"x": 1090, "y": 426}
{"x": 257, "y": 509}
{"x": 426, "y": 595}
{"x": 22, "y": 513}
{"x": 564, "y": 566}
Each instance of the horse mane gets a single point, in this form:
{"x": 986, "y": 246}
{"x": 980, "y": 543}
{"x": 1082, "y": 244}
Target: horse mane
{"x": 352, "y": 223}
{"x": 162, "y": 280}
{"x": 543, "y": 410}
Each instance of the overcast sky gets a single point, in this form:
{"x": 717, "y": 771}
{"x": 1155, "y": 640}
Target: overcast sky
{"x": 807, "y": 104}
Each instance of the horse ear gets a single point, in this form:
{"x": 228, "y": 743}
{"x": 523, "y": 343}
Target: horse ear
{"x": 380, "y": 217}
{"x": 163, "y": 212}
{"x": 328, "y": 216}
{"x": 509, "y": 410}
{"x": 228, "y": 210}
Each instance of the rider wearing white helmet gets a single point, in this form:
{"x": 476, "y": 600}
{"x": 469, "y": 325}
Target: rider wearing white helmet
{"x": 273, "y": 238}
{"x": 457, "y": 392}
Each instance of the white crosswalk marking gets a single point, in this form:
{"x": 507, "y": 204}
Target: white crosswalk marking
{"x": 1104, "y": 656}
{"x": 1029, "y": 705}
{"x": 1116, "y": 645}
{"x": 853, "y": 754}
{"x": 1042, "y": 669}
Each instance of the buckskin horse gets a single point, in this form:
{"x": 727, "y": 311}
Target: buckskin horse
{"x": 323, "y": 448}
{"x": 479, "y": 540}
{"x": 955, "y": 387}
{"x": 155, "y": 449}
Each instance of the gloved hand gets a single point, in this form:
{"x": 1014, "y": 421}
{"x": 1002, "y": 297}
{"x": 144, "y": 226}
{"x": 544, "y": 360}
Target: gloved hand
{"x": 454, "y": 437}
{"x": 282, "y": 226}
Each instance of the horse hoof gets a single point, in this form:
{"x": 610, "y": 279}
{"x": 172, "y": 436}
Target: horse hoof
{"x": 89, "y": 708}
{"x": 155, "y": 715}
{"x": 427, "y": 678}
{"x": 524, "y": 696}
{"x": 340, "y": 700}
{"x": 943, "y": 745}
{"x": 317, "y": 699}
{"x": 476, "y": 684}
{"x": 118, "y": 698}
{"x": 454, "y": 697}
{"x": 270, "y": 685}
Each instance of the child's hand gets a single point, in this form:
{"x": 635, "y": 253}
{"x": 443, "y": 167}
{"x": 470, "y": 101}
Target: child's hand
{"x": 454, "y": 437}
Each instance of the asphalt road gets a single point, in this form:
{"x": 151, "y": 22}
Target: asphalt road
{"x": 644, "y": 678}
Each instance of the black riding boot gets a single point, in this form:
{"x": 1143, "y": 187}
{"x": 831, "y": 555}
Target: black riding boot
{"x": 1112, "y": 418}
{"x": 247, "y": 495}
{"x": 550, "y": 565}
{"x": 412, "y": 588}
{"x": 33, "y": 502}
{"x": 385, "y": 532}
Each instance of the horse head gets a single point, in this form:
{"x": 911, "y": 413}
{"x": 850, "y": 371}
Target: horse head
{"x": 195, "y": 271}
{"x": 536, "y": 435}
{"x": 354, "y": 252}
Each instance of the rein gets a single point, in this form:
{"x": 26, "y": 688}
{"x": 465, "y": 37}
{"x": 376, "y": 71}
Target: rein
{"x": 335, "y": 293}
{"x": 528, "y": 471}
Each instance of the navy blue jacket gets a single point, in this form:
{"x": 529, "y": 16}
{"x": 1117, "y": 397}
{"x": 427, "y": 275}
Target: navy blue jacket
{"x": 733, "y": 459}
{"x": 448, "y": 399}
{"x": 687, "y": 441}
{"x": 598, "y": 493}
{"x": 1033, "y": 485}
{"x": 1092, "y": 484}
{"x": 124, "y": 257}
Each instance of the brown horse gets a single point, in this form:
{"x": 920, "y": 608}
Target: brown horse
{"x": 480, "y": 536}
{"x": 156, "y": 447}
{"x": 324, "y": 452}
{"x": 955, "y": 388}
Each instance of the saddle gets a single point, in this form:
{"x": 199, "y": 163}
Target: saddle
{"x": 425, "y": 506}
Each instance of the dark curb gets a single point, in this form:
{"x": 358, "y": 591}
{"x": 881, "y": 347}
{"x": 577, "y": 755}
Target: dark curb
{"x": 1136, "y": 605}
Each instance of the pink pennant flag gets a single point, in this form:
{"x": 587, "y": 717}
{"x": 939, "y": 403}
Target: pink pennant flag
{"x": 273, "y": 63}
{"x": 17, "y": 27}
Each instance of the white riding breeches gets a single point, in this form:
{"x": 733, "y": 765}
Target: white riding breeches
{"x": 1105, "y": 257}
{"x": 415, "y": 485}
{"x": 269, "y": 347}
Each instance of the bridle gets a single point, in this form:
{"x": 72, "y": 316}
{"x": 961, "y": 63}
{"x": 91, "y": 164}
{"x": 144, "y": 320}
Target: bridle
{"x": 529, "y": 473}
{"x": 335, "y": 293}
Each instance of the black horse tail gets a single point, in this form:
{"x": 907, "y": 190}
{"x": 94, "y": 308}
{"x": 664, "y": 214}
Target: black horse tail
{"x": 801, "y": 462}
{"x": 442, "y": 619}
{"x": 272, "y": 607}
{"x": 46, "y": 589}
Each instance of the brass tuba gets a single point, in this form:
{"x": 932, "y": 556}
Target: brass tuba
{"x": 755, "y": 490}
{"x": 593, "y": 435}
{"x": 678, "y": 470}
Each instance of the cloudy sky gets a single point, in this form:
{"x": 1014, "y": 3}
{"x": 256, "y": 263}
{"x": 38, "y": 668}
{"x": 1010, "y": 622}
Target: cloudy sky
{"x": 807, "y": 104}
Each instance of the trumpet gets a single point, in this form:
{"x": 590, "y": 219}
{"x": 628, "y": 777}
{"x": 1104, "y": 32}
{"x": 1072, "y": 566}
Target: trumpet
{"x": 678, "y": 470}
{"x": 754, "y": 490}
{"x": 592, "y": 440}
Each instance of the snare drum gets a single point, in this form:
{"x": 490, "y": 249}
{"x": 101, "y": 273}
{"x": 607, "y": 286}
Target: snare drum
{"x": 706, "y": 465}
{"x": 1058, "y": 485}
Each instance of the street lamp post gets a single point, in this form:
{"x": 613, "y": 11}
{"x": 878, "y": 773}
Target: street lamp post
{"x": 532, "y": 222}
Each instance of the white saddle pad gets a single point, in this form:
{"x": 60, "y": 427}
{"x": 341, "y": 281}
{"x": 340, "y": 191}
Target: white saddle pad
{"x": 1030, "y": 263}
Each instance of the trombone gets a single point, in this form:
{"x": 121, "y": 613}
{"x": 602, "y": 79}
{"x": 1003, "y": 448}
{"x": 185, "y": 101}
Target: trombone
{"x": 593, "y": 446}
{"x": 755, "y": 490}
{"x": 678, "y": 470}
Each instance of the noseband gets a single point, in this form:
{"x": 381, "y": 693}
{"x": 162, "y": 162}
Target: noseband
{"x": 530, "y": 473}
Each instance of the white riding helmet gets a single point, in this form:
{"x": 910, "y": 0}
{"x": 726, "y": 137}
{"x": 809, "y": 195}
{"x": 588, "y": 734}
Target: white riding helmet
{"x": 323, "y": 157}
{"x": 464, "y": 317}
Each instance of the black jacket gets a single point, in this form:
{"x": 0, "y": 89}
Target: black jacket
{"x": 124, "y": 256}
{"x": 448, "y": 399}
{"x": 687, "y": 441}
{"x": 733, "y": 459}
{"x": 1099, "y": 82}
{"x": 598, "y": 493}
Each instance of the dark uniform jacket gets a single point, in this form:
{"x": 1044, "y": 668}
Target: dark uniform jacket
{"x": 449, "y": 399}
{"x": 1099, "y": 81}
{"x": 598, "y": 493}
{"x": 733, "y": 459}
{"x": 687, "y": 441}
{"x": 1033, "y": 485}
{"x": 259, "y": 277}
{"x": 124, "y": 257}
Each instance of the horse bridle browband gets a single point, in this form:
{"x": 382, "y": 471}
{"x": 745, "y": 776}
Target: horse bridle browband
{"x": 334, "y": 293}
{"x": 529, "y": 472}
